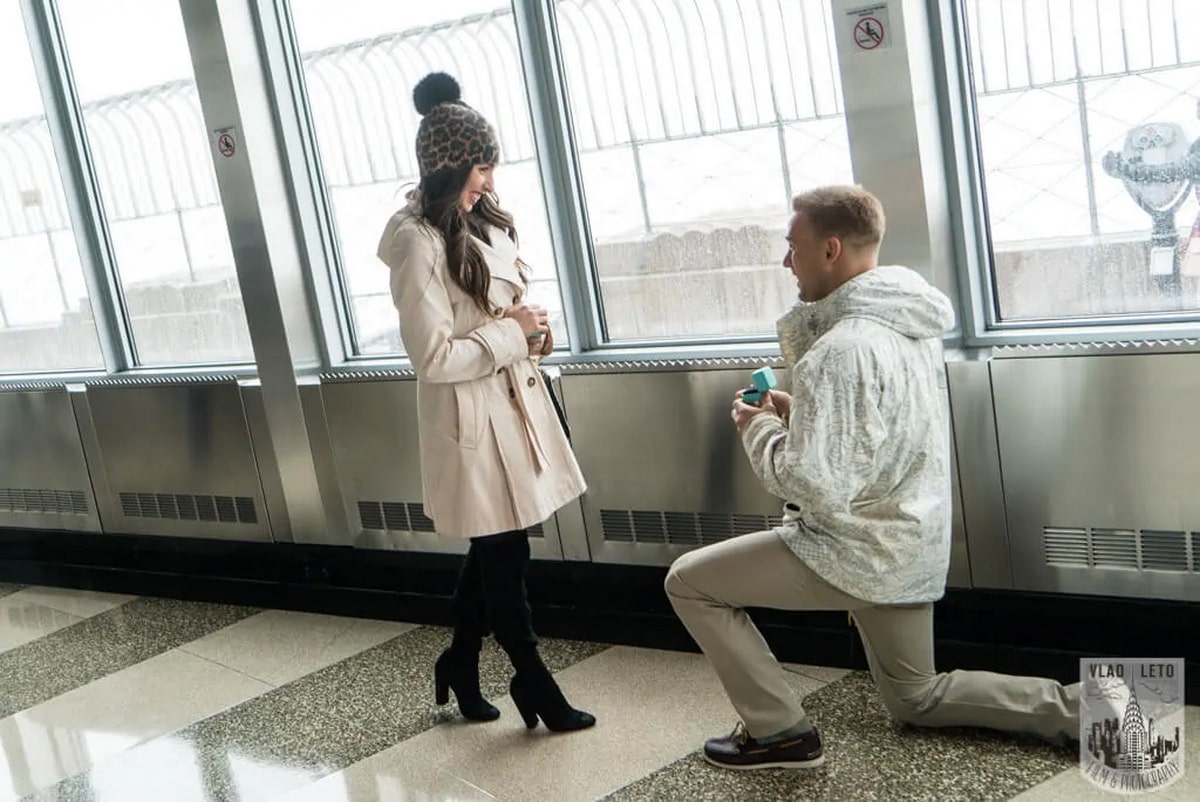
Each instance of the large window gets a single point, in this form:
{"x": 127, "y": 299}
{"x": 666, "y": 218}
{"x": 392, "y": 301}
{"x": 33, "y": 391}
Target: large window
{"x": 695, "y": 123}
{"x": 1075, "y": 101}
{"x": 361, "y": 60}
{"x": 46, "y": 319}
{"x": 147, "y": 137}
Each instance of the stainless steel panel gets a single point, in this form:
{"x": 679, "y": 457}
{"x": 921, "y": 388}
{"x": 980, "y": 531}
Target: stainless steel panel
{"x": 1100, "y": 445}
{"x": 178, "y": 461}
{"x": 264, "y": 455}
{"x": 44, "y": 482}
{"x": 980, "y": 488}
{"x": 960, "y": 561}
{"x": 373, "y": 434}
{"x": 337, "y": 530}
{"x": 278, "y": 287}
{"x": 662, "y": 442}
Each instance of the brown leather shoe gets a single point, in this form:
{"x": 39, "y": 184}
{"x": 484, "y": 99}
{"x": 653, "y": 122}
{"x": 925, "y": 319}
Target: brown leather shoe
{"x": 740, "y": 751}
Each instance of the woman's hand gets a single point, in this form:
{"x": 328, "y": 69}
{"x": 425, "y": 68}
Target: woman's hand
{"x": 541, "y": 346}
{"x": 532, "y": 319}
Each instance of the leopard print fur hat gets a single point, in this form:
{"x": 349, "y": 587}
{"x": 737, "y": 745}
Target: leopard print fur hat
{"x": 451, "y": 133}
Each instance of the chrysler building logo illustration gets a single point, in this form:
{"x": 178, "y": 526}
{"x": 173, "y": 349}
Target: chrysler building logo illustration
{"x": 1131, "y": 716}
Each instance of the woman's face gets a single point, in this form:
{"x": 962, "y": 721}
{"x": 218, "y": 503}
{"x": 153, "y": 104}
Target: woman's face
{"x": 479, "y": 183}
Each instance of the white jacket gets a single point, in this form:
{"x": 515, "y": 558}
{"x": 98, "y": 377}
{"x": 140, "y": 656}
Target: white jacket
{"x": 863, "y": 461}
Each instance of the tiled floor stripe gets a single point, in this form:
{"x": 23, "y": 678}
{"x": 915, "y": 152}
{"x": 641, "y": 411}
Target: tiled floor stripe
{"x": 171, "y": 691}
{"x": 652, "y": 707}
{"x": 6, "y": 588}
{"x": 292, "y": 736}
{"x": 102, "y": 645}
{"x": 31, "y": 613}
{"x": 868, "y": 758}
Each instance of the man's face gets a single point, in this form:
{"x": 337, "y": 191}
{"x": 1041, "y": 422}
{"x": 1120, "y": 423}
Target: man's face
{"x": 809, "y": 259}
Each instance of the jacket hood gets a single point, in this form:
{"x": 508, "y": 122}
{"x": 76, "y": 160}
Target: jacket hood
{"x": 890, "y": 295}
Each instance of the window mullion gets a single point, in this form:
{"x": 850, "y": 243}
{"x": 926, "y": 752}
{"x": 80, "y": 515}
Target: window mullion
{"x": 561, "y": 180}
{"x": 64, "y": 117}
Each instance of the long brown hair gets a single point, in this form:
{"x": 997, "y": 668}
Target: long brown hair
{"x": 440, "y": 192}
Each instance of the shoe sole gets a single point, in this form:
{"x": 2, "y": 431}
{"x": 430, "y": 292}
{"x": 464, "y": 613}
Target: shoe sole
{"x": 778, "y": 764}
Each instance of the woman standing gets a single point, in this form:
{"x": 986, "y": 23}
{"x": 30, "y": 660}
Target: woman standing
{"x": 494, "y": 458}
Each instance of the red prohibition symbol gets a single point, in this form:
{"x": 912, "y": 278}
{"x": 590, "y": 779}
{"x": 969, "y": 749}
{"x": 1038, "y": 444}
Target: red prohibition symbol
{"x": 868, "y": 33}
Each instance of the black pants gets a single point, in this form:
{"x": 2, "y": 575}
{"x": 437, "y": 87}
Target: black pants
{"x": 491, "y": 595}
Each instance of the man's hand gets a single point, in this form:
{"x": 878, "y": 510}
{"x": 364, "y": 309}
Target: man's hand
{"x": 743, "y": 412}
{"x": 775, "y": 402}
{"x": 778, "y": 402}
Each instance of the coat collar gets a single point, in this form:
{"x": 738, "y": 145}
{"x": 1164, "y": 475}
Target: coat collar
{"x": 500, "y": 254}
{"x": 501, "y": 257}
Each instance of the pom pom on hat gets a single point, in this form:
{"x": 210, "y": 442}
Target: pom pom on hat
{"x": 434, "y": 89}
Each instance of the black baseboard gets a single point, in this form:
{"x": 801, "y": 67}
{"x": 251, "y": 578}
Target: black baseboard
{"x": 1006, "y": 631}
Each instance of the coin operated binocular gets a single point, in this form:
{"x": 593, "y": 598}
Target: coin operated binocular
{"x": 1158, "y": 167}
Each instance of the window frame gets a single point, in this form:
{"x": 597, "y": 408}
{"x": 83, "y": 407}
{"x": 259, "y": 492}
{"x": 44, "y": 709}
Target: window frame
{"x": 982, "y": 324}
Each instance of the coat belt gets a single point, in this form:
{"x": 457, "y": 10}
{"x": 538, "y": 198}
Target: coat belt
{"x": 531, "y": 436}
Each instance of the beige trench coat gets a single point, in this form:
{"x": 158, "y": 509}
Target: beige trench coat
{"x": 493, "y": 454}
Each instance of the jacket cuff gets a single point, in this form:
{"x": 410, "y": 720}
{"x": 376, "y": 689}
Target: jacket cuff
{"x": 504, "y": 340}
{"x": 762, "y": 425}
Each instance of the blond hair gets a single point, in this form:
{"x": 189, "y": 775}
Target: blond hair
{"x": 850, "y": 213}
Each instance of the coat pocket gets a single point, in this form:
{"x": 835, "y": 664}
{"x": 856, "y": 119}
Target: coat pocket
{"x": 471, "y": 414}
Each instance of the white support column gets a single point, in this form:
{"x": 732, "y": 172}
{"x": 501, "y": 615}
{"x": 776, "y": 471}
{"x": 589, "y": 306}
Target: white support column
{"x": 895, "y": 128}
{"x": 278, "y": 290}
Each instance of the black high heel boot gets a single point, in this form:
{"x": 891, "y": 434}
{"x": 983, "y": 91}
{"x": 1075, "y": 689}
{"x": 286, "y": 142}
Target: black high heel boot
{"x": 538, "y": 695}
{"x": 453, "y": 671}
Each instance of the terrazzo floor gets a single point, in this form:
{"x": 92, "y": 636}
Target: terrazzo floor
{"x": 106, "y": 697}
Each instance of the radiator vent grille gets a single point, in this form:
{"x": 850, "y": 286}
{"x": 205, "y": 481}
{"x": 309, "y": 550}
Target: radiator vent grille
{"x": 405, "y": 516}
{"x": 680, "y": 528}
{"x": 190, "y": 507}
{"x": 60, "y": 502}
{"x": 1123, "y": 549}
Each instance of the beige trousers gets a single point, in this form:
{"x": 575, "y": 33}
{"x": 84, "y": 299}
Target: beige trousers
{"x": 710, "y": 587}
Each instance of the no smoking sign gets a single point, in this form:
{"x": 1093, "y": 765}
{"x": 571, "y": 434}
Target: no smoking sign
{"x": 226, "y": 141}
{"x": 869, "y": 27}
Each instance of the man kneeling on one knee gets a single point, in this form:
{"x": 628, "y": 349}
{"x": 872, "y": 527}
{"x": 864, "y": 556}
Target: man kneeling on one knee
{"x": 860, "y": 453}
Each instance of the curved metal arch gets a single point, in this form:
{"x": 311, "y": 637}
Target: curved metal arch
{"x": 737, "y": 110}
{"x": 675, "y": 71}
{"x": 620, "y": 79}
{"x": 484, "y": 92}
{"x": 198, "y": 150}
{"x": 503, "y": 34}
{"x": 140, "y": 167}
{"x": 182, "y": 144}
{"x": 655, "y": 68}
{"x": 376, "y": 60}
{"x": 326, "y": 117}
{"x": 19, "y": 225}
{"x": 103, "y": 157}
{"x": 576, "y": 47}
{"x": 168, "y": 166}
{"x": 357, "y": 104}
{"x": 835, "y": 75}
{"x": 766, "y": 47}
{"x": 513, "y": 85}
{"x": 809, "y": 64}
{"x": 419, "y": 60}
{"x": 372, "y": 110}
{"x": 33, "y": 129}
{"x": 712, "y": 72}
{"x": 601, "y": 9}
{"x": 614, "y": 106}
{"x": 407, "y": 114}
